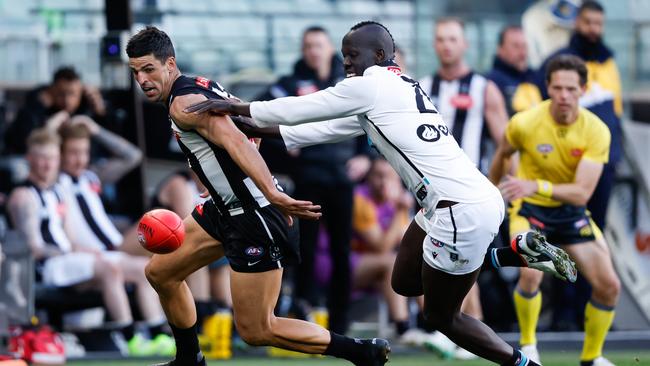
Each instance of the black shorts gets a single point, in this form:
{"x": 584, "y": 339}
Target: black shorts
{"x": 257, "y": 240}
{"x": 565, "y": 224}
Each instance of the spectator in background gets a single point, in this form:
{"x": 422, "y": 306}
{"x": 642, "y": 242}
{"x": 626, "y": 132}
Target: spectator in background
{"x": 603, "y": 95}
{"x": 323, "y": 174}
{"x": 51, "y": 105}
{"x": 548, "y": 25}
{"x": 380, "y": 218}
{"x": 510, "y": 71}
{"x": 38, "y": 209}
{"x": 473, "y": 109}
{"x": 82, "y": 182}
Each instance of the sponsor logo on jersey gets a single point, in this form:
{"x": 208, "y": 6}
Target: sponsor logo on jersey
{"x": 201, "y": 81}
{"x": 428, "y": 133}
{"x": 395, "y": 70}
{"x": 254, "y": 251}
{"x": 437, "y": 243}
{"x": 462, "y": 101}
{"x": 545, "y": 148}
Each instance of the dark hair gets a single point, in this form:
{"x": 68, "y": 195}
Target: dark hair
{"x": 372, "y": 22}
{"x": 506, "y": 29}
{"x": 315, "y": 29}
{"x": 451, "y": 19}
{"x": 65, "y": 73}
{"x": 567, "y": 62}
{"x": 591, "y": 5}
{"x": 150, "y": 40}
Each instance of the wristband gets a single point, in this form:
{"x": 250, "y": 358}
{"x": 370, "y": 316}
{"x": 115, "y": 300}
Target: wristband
{"x": 544, "y": 188}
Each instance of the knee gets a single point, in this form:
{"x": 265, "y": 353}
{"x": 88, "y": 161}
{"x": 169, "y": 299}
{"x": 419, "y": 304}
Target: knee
{"x": 439, "y": 320}
{"x": 254, "y": 332}
{"x": 405, "y": 288}
{"x": 608, "y": 290}
{"x": 108, "y": 271}
{"x": 529, "y": 280}
{"x": 154, "y": 274}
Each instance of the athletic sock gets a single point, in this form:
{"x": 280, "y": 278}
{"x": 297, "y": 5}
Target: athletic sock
{"x": 187, "y": 345}
{"x": 519, "y": 359}
{"x": 504, "y": 257}
{"x": 203, "y": 310}
{"x": 527, "y": 307}
{"x": 598, "y": 319}
{"x": 350, "y": 349}
{"x": 128, "y": 331}
{"x": 423, "y": 324}
{"x": 401, "y": 326}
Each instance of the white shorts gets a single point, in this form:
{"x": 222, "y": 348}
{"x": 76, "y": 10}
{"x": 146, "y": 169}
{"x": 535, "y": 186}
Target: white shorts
{"x": 74, "y": 268}
{"x": 458, "y": 236}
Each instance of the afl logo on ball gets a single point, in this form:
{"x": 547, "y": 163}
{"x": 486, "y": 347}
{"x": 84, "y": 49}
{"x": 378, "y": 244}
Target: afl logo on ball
{"x": 428, "y": 133}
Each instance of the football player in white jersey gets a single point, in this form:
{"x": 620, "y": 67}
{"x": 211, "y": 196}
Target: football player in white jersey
{"x": 444, "y": 247}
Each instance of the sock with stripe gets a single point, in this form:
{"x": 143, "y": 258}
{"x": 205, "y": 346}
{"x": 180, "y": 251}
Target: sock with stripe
{"x": 503, "y": 257}
{"x": 519, "y": 359}
{"x": 527, "y": 307}
{"x": 598, "y": 319}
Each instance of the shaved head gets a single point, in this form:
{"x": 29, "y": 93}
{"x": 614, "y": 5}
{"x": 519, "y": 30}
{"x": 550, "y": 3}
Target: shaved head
{"x": 366, "y": 44}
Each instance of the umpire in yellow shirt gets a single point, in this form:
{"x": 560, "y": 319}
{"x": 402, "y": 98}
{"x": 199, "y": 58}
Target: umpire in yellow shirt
{"x": 562, "y": 149}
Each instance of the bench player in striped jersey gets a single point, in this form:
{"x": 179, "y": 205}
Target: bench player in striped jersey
{"x": 247, "y": 219}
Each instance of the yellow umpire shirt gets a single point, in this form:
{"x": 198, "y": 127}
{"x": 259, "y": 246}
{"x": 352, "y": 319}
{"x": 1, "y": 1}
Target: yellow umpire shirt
{"x": 552, "y": 151}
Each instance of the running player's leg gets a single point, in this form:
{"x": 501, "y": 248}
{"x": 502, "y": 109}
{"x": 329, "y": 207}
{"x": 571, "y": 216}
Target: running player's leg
{"x": 407, "y": 269}
{"x": 443, "y": 296}
{"x": 167, "y": 274}
{"x": 254, "y": 298}
{"x": 594, "y": 262}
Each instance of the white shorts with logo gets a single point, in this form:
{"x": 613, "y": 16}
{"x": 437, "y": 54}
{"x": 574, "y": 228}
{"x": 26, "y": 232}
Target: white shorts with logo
{"x": 458, "y": 236}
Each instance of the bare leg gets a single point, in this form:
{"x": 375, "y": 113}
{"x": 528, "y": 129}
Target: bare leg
{"x": 254, "y": 297}
{"x": 220, "y": 285}
{"x": 407, "y": 270}
{"x": 110, "y": 280}
{"x": 167, "y": 273}
{"x": 133, "y": 268}
{"x": 443, "y": 296}
{"x": 375, "y": 270}
{"x": 472, "y": 303}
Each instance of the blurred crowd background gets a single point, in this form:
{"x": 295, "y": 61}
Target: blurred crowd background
{"x": 64, "y": 82}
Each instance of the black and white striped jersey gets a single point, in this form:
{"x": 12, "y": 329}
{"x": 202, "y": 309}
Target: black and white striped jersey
{"x": 228, "y": 185}
{"x": 461, "y": 102}
{"x": 52, "y": 209}
{"x": 399, "y": 120}
{"x": 93, "y": 227}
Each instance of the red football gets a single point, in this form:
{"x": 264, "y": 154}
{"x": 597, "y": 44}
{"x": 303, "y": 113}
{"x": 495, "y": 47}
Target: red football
{"x": 161, "y": 231}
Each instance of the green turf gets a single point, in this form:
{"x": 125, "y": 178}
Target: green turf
{"x": 620, "y": 358}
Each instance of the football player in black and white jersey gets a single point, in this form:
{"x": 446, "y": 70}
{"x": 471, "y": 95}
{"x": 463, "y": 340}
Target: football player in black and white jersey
{"x": 247, "y": 219}
{"x": 444, "y": 247}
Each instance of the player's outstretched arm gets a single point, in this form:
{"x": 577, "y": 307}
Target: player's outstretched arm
{"x": 501, "y": 161}
{"x": 221, "y": 131}
{"x": 350, "y": 97}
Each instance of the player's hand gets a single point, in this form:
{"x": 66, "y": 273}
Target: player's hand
{"x": 216, "y": 106}
{"x": 514, "y": 188}
{"x": 291, "y": 207}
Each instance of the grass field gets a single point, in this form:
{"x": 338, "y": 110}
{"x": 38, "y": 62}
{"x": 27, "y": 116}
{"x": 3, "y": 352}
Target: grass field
{"x": 620, "y": 358}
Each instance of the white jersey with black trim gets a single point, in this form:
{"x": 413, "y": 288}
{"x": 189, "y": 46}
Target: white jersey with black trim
{"x": 93, "y": 227}
{"x": 399, "y": 120}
